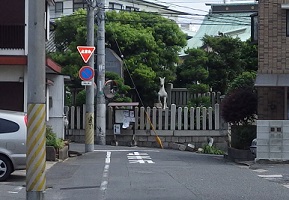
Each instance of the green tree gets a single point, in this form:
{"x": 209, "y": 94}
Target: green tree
{"x": 148, "y": 43}
{"x": 244, "y": 80}
{"x": 227, "y": 58}
{"x": 193, "y": 74}
{"x": 121, "y": 94}
{"x": 122, "y": 90}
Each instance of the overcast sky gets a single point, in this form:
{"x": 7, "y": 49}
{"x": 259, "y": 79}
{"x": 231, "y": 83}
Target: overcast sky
{"x": 197, "y": 8}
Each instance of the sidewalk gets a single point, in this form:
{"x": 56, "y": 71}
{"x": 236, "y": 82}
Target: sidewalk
{"x": 77, "y": 177}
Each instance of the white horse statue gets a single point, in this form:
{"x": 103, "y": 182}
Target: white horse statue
{"x": 162, "y": 93}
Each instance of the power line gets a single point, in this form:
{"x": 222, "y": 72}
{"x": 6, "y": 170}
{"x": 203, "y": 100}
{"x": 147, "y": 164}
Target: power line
{"x": 214, "y": 19}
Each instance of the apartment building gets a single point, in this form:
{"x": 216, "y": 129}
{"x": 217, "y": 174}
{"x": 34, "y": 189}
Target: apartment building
{"x": 14, "y": 52}
{"x": 273, "y": 80}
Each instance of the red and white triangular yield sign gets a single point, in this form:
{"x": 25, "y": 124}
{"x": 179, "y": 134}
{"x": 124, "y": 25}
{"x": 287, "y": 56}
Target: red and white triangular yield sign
{"x": 85, "y": 52}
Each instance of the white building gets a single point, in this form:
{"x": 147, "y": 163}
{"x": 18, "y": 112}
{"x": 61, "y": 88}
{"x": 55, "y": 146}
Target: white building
{"x": 14, "y": 65}
{"x": 67, "y": 7}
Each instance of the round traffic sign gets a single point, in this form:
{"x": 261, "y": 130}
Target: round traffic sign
{"x": 86, "y": 73}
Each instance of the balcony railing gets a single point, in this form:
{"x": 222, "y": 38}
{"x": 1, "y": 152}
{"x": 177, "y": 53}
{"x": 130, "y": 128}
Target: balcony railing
{"x": 12, "y": 36}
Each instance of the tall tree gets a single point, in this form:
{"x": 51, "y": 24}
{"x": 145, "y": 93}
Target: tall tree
{"x": 227, "y": 58}
{"x": 217, "y": 65}
{"x": 193, "y": 74}
{"x": 147, "y": 42}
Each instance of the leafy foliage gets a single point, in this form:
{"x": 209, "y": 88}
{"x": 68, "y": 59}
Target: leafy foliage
{"x": 52, "y": 140}
{"x": 244, "y": 80}
{"x": 227, "y": 58}
{"x": 193, "y": 68}
{"x": 148, "y": 43}
{"x": 121, "y": 94}
{"x": 242, "y": 136}
{"x": 239, "y": 106}
{"x": 80, "y": 98}
{"x": 207, "y": 149}
{"x": 192, "y": 73}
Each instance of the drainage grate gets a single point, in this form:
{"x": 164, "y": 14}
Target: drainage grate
{"x": 80, "y": 188}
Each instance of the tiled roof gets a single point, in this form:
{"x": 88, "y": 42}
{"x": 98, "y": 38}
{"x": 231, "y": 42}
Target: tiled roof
{"x": 232, "y": 24}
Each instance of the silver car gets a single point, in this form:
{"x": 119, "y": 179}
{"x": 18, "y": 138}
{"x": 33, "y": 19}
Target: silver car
{"x": 13, "y": 128}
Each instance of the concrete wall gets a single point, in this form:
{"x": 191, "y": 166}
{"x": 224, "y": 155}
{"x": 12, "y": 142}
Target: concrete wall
{"x": 56, "y": 109}
{"x": 272, "y": 140}
{"x": 145, "y": 138}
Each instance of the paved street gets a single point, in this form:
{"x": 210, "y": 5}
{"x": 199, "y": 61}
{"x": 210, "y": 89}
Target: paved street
{"x": 133, "y": 173}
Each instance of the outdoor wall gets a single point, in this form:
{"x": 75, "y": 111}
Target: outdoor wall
{"x": 12, "y": 73}
{"x": 273, "y": 140}
{"x": 270, "y": 103}
{"x": 272, "y": 40}
{"x": 148, "y": 139}
{"x": 56, "y": 104}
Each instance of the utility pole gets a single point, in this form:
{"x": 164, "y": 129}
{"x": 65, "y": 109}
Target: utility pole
{"x": 101, "y": 105}
{"x": 89, "y": 115}
{"x": 36, "y": 129}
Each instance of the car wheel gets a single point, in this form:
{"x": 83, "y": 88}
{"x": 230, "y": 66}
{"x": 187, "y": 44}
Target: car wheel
{"x": 5, "y": 168}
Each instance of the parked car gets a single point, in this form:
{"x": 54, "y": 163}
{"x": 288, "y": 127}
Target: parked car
{"x": 13, "y": 129}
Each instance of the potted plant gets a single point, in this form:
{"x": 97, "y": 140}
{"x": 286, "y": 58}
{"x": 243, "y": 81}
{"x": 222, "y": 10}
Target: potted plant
{"x": 56, "y": 148}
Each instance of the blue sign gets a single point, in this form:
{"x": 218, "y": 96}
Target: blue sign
{"x": 86, "y": 73}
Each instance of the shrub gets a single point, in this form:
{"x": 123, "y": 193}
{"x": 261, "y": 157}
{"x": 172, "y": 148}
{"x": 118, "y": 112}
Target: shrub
{"x": 207, "y": 149}
{"x": 52, "y": 140}
{"x": 240, "y": 106}
{"x": 244, "y": 80}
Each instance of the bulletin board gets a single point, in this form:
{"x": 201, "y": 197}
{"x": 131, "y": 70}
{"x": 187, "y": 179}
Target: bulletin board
{"x": 122, "y": 116}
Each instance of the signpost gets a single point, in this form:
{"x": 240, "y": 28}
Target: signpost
{"x": 85, "y": 52}
{"x": 86, "y": 73}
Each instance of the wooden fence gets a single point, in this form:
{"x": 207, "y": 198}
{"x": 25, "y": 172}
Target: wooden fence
{"x": 173, "y": 118}
{"x": 181, "y": 96}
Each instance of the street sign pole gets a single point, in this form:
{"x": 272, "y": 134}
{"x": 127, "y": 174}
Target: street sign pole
{"x": 36, "y": 128}
{"x": 89, "y": 115}
{"x": 101, "y": 105}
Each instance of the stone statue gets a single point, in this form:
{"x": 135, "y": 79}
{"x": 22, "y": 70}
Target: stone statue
{"x": 162, "y": 93}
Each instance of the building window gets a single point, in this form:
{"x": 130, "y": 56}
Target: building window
{"x": 79, "y": 4}
{"x": 115, "y": 6}
{"x": 130, "y": 8}
{"x": 59, "y": 7}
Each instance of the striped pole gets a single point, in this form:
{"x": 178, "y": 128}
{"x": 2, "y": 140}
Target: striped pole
{"x": 36, "y": 87}
{"x": 36, "y": 151}
{"x": 89, "y": 132}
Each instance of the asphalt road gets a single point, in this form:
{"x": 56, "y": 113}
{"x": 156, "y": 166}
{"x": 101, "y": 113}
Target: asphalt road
{"x": 132, "y": 173}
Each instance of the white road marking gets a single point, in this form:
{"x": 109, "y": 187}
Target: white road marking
{"x": 16, "y": 190}
{"x": 137, "y": 157}
{"x": 271, "y": 176}
{"x": 286, "y": 186}
{"x": 104, "y": 182}
{"x": 260, "y": 170}
{"x": 141, "y": 161}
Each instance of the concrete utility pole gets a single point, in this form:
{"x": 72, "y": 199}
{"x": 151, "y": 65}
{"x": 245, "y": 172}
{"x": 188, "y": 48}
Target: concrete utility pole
{"x": 36, "y": 139}
{"x": 101, "y": 106}
{"x": 89, "y": 115}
